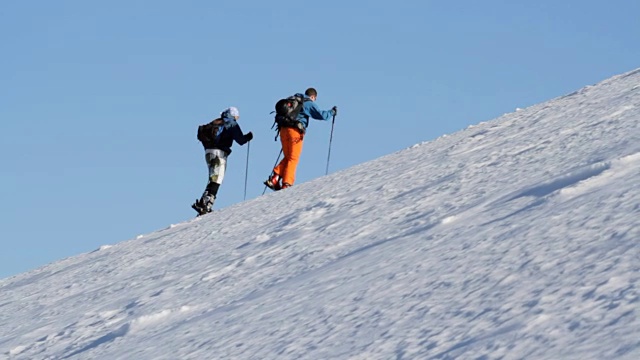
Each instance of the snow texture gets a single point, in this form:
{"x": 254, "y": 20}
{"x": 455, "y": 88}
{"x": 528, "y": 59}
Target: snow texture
{"x": 515, "y": 238}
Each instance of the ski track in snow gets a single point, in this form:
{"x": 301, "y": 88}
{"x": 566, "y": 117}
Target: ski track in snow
{"x": 513, "y": 239}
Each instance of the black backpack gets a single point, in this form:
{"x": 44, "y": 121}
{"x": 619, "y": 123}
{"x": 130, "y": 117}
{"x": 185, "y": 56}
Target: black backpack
{"x": 206, "y": 132}
{"x": 287, "y": 111}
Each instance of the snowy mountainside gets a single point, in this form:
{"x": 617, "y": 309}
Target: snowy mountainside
{"x": 516, "y": 238}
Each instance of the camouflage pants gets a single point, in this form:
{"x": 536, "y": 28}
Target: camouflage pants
{"x": 217, "y": 163}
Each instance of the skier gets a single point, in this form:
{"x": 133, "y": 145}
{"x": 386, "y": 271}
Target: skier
{"x": 292, "y": 137}
{"x": 217, "y": 138}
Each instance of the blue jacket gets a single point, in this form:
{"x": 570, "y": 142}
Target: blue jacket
{"x": 311, "y": 110}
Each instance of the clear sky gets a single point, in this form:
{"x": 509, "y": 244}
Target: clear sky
{"x": 100, "y": 101}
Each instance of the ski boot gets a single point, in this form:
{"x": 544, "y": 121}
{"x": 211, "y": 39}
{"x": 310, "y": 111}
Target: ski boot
{"x": 273, "y": 182}
{"x": 204, "y": 205}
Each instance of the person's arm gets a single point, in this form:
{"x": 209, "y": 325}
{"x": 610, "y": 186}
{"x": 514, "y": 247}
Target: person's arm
{"x": 318, "y": 114}
{"x": 240, "y": 138}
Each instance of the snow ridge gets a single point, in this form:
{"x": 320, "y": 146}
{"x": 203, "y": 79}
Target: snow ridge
{"x": 513, "y": 239}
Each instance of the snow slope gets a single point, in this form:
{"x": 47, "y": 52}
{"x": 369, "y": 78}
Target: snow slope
{"x": 513, "y": 239}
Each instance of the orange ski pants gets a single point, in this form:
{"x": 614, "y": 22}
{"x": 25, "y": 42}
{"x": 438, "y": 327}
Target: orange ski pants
{"x": 291, "y": 140}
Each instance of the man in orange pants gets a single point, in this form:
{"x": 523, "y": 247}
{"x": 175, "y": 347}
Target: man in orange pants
{"x": 292, "y": 132}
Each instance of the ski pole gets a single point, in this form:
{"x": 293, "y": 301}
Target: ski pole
{"x": 246, "y": 170}
{"x": 330, "y": 141}
{"x": 274, "y": 165}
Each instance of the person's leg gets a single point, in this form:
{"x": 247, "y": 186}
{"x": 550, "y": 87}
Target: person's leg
{"x": 293, "y": 156}
{"x": 217, "y": 163}
{"x": 273, "y": 182}
{"x": 285, "y": 140}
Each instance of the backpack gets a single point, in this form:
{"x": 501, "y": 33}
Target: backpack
{"x": 287, "y": 111}
{"x": 207, "y": 132}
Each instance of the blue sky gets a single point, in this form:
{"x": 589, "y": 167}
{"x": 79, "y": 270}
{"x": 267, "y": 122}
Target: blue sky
{"x": 100, "y": 102}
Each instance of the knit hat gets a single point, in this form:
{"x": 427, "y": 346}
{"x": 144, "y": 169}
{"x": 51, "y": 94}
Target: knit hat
{"x": 230, "y": 112}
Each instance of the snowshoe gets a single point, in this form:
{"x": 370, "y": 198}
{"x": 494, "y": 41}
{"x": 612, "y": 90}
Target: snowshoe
{"x": 273, "y": 182}
{"x": 201, "y": 210}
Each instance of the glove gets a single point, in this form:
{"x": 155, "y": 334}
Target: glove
{"x": 335, "y": 110}
{"x": 249, "y": 136}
